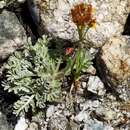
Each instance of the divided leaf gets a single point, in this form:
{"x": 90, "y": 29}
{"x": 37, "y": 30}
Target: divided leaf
{"x": 32, "y": 75}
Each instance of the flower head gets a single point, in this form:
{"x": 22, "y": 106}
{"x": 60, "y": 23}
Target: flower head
{"x": 69, "y": 50}
{"x": 82, "y": 14}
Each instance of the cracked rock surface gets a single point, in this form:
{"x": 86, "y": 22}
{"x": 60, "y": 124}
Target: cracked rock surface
{"x": 114, "y": 60}
{"x": 12, "y": 34}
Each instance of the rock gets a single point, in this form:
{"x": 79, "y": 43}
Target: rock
{"x": 110, "y": 16}
{"x": 2, "y": 4}
{"x": 7, "y": 3}
{"x": 97, "y": 125}
{"x": 95, "y": 85}
{"x": 12, "y": 34}
{"x": 50, "y": 111}
{"x": 86, "y": 108}
{"x": 33, "y": 126}
{"x": 91, "y": 70}
{"x": 83, "y": 84}
{"x": 93, "y": 52}
{"x": 21, "y": 1}
{"x": 90, "y": 105}
{"x": 113, "y": 62}
{"x": 21, "y": 124}
{"x": 58, "y": 122}
{"x": 124, "y": 91}
{"x": 3, "y": 123}
{"x": 109, "y": 114}
{"x": 82, "y": 116}
{"x": 73, "y": 126}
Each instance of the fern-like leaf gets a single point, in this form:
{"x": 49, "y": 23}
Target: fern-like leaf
{"x": 24, "y": 104}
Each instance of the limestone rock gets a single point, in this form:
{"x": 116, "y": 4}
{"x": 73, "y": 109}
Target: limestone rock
{"x": 3, "y": 123}
{"x": 95, "y": 85}
{"x": 91, "y": 70}
{"x": 21, "y": 124}
{"x": 12, "y": 34}
{"x": 21, "y": 1}
{"x": 110, "y": 16}
{"x": 114, "y": 60}
{"x": 97, "y": 125}
{"x": 2, "y": 4}
{"x": 50, "y": 111}
{"x": 58, "y": 123}
{"x": 33, "y": 126}
{"x": 7, "y": 3}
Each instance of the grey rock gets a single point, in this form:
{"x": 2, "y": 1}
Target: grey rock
{"x": 4, "y": 125}
{"x": 91, "y": 70}
{"x": 93, "y": 52}
{"x": 90, "y": 105}
{"x": 33, "y": 126}
{"x": 2, "y": 4}
{"x": 124, "y": 92}
{"x": 58, "y": 122}
{"x": 95, "y": 85}
{"x": 114, "y": 60}
{"x": 86, "y": 108}
{"x": 84, "y": 84}
{"x": 21, "y": 1}
{"x": 12, "y": 34}
{"x": 73, "y": 126}
{"x": 50, "y": 111}
{"x": 7, "y": 3}
{"x": 82, "y": 116}
{"x": 21, "y": 124}
{"x": 97, "y": 125}
{"x": 108, "y": 113}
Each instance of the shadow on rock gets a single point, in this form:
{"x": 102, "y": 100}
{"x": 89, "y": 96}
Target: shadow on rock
{"x": 102, "y": 73}
{"x": 126, "y": 30}
{"x": 7, "y": 100}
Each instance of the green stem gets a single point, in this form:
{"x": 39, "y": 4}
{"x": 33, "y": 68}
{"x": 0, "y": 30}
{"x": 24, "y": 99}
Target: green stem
{"x": 80, "y": 33}
{"x": 86, "y": 31}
